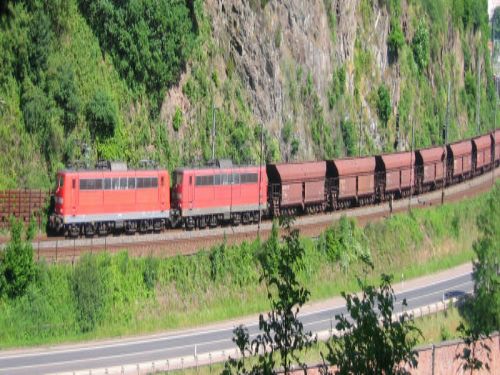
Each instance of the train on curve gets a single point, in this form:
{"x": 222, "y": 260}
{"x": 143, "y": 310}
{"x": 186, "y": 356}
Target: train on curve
{"x": 114, "y": 199}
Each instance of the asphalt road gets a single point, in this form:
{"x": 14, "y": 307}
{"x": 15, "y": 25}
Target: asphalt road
{"x": 168, "y": 346}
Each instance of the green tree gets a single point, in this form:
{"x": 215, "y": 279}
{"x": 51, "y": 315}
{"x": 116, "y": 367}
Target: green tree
{"x": 36, "y": 108}
{"x": 17, "y": 267}
{"x": 482, "y": 313}
{"x": 487, "y": 266}
{"x": 371, "y": 341}
{"x": 63, "y": 88}
{"x": 101, "y": 116}
{"x": 281, "y": 331}
{"x": 383, "y": 104}
{"x": 420, "y": 46}
{"x": 152, "y": 53}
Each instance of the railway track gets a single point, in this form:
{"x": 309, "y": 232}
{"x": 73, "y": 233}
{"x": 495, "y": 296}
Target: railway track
{"x": 180, "y": 242}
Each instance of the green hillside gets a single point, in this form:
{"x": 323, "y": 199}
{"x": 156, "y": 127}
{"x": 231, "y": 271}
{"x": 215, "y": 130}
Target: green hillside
{"x": 138, "y": 80}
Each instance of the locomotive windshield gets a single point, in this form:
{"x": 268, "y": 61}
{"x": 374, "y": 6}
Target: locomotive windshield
{"x": 60, "y": 181}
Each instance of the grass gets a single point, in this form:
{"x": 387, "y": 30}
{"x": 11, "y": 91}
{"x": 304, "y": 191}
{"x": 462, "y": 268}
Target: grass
{"x": 143, "y": 295}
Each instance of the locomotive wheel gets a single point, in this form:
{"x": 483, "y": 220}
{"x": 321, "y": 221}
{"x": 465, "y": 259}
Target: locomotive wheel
{"x": 102, "y": 229}
{"x": 89, "y": 230}
{"x": 74, "y": 231}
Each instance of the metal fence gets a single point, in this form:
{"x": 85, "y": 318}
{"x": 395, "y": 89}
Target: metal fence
{"x": 23, "y": 204}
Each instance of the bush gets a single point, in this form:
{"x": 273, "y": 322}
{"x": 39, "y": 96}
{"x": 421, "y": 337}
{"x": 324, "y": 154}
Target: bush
{"x": 349, "y": 136}
{"x": 420, "y": 46}
{"x": 89, "y": 292}
{"x": 345, "y": 243}
{"x": 63, "y": 88}
{"x": 337, "y": 87}
{"x": 101, "y": 116}
{"x": 17, "y": 268}
{"x": 177, "y": 119}
{"x": 383, "y": 104}
{"x": 396, "y": 39}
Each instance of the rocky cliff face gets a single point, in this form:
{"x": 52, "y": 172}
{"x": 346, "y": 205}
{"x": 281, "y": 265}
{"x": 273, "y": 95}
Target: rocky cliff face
{"x": 312, "y": 72}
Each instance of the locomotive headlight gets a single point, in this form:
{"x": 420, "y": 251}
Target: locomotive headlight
{"x": 59, "y": 200}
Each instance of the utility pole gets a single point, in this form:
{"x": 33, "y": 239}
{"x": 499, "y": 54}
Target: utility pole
{"x": 446, "y": 139}
{"x": 494, "y": 134}
{"x": 213, "y": 131}
{"x": 478, "y": 93}
{"x": 260, "y": 173}
{"x": 411, "y": 162}
{"x": 359, "y": 140}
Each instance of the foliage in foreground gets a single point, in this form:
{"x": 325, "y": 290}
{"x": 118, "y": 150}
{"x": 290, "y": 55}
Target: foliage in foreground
{"x": 282, "y": 333}
{"x": 370, "y": 339}
{"x": 482, "y": 312}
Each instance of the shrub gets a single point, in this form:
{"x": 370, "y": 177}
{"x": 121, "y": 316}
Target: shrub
{"x": 345, "y": 243}
{"x": 101, "y": 116}
{"x": 89, "y": 292}
{"x": 396, "y": 39}
{"x": 17, "y": 268}
{"x": 64, "y": 90}
{"x": 349, "y": 136}
{"x": 420, "y": 46}
{"x": 177, "y": 119}
{"x": 383, "y": 104}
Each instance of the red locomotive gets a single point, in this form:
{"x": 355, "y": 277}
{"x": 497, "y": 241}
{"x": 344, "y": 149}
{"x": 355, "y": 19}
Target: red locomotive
{"x": 99, "y": 201}
{"x": 220, "y": 193}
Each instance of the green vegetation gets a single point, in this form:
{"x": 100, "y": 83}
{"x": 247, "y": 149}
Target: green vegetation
{"x": 282, "y": 331}
{"x": 384, "y": 106}
{"x": 17, "y": 267}
{"x": 150, "y": 55}
{"x": 396, "y": 39}
{"x": 370, "y": 340}
{"x": 75, "y": 74}
{"x": 434, "y": 328}
{"x": 132, "y": 295}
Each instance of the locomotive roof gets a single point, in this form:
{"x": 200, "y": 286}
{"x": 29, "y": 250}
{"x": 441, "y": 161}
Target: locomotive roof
{"x": 214, "y": 167}
{"x": 100, "y": 170}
